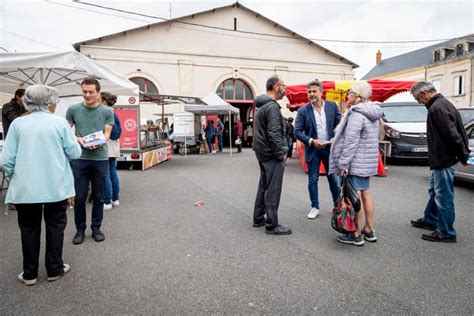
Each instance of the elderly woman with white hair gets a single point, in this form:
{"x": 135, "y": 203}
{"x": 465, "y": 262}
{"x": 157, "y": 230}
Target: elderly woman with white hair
{"x": 355, "y": 153}
{"x": 36, "y": 158}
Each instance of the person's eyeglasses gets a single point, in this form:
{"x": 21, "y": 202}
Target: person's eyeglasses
{"x": 282, "y": 84}
{"x": 353, "y": 93}
{"x": 313, "y": 91}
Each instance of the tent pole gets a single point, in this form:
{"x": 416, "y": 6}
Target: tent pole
{"x": 230, "y": 134}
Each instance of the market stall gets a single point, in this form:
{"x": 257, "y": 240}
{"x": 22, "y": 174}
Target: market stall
{"x": 214, "y": 106}
{"x": 336, "y": 91}
{"x": 144, "y": 142}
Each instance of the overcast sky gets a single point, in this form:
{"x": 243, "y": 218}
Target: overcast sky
{"x": 28, "y": 26}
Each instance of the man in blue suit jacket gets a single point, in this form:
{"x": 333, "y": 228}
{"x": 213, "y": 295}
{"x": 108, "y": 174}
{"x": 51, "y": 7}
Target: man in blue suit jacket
{"x": 314, "y": 127}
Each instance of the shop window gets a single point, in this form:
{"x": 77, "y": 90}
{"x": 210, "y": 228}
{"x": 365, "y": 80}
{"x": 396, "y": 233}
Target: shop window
{"x": 234, "y": 90}
{"x": 144, "y": 85}
{"x": 458, "y": 85}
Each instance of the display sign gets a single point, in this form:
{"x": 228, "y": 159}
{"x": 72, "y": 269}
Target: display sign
{"x": 156, "y": 156}
{"x": 183, "y": 124}
{"x": 129, "y": 120}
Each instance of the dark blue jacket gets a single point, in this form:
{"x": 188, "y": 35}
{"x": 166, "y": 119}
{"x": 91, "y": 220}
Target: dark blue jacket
{"x": 210, "y": 131}
{"x": 305, "y": 126}
{"x": 116, "y": 129}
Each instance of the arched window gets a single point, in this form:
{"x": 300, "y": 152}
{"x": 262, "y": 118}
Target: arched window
{"x": 235, "y": 90}
{"x": 144, "y": 85}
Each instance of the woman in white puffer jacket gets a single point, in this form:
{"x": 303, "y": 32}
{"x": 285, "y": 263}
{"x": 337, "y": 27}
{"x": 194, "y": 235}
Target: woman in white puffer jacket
{"x": 355, "y": 153}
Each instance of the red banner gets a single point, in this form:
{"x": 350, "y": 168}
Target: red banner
{"x": 130, "y": 127}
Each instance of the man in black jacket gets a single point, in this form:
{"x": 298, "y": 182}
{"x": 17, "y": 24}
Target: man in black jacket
{"x": 447, "y": 145}
{"x": 270, "y": 146}
{"x": 12, "y": 110}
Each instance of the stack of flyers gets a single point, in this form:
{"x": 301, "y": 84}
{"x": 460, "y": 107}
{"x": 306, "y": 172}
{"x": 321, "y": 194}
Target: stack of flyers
{"x": 94, "y": 139}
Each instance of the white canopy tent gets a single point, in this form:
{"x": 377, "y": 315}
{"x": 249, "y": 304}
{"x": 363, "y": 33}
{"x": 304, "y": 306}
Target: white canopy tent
{"x": 62, "y": 70}
{"x": 214, "y": 106}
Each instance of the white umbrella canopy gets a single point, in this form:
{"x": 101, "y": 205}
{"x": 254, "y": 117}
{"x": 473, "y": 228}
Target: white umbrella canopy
{"x": 203, "y": 109}
{"x": 62, "y": 70}
{"x": 215, "y": 106}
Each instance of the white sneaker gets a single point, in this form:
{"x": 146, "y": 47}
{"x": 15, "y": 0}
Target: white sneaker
{"x": 116, "y": 203}
{"x": 67, "y": 268}
{"x": 313, "y": 213}
{"x": 27, "y": 282}
{"x": 107, "y": 207}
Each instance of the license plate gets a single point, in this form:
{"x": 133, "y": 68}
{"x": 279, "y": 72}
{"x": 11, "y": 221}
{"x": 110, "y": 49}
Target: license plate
{"x": 420, "y": 149}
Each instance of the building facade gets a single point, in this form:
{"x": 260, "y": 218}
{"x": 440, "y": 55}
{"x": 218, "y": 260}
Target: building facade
{"x": 448, "y": 65}
{"x": 229, "y": 50}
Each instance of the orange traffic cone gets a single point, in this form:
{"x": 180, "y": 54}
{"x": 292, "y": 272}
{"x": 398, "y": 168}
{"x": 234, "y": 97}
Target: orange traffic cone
{"x": 381, "y": 168}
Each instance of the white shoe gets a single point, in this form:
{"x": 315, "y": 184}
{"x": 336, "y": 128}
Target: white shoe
{"x": 313, "y": 213}
{"x": 116, "y": 203}
{"x": 26, "y": 282}
{"x": 67, "y": 268}
{"x": 107, "y": 207}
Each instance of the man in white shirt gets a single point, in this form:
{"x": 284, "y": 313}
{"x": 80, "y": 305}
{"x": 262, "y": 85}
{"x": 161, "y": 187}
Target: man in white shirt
{"x": 314, "y": 127}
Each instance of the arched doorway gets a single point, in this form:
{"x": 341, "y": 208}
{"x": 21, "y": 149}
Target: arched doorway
{"x": 238, "y": 93}
{"x": 144, "y": 85}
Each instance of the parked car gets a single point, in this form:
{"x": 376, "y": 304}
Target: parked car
{"x": 466, "y": 173}
{"x": 467, "y": 115}
{"x": 404, "y": 127}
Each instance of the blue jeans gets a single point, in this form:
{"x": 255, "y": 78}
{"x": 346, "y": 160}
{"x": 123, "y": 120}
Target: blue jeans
{"x": 313, "y": 177}
{"x": 219, "y": 141}
{"x": 85, "y": 171}
{"x": 112, "y": 185}
{"x": 209, "y": 144}
{"x": 439, "y": 210}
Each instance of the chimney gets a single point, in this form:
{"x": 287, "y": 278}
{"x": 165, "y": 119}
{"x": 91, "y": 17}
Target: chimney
{"x": 378, "y": 58}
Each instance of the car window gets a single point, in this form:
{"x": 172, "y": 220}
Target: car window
{"x": 399, "y": 114}
{"x": 467, "y": 115}
{"x": 470, "y": 135}
{"x": 470, "y": 132}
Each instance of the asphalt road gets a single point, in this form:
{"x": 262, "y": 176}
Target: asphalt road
{"x": 163, "y": 255}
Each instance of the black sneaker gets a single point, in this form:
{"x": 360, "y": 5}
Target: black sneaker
{"x": 369, "y": 236}
{"x": 78, "y": 237}
{"x": 279, "y": 230}
{"x": 435, "y": 236}
{"x": 98, "y": 235}
{"x": 258, "y": 224}
{"x": 420, "y": 223}
{"x": 351, "y": 239}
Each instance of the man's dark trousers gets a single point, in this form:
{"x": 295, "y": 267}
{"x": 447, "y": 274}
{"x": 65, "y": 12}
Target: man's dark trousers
{"x": 269, "y": 192}
{"x": 84, "y": 171}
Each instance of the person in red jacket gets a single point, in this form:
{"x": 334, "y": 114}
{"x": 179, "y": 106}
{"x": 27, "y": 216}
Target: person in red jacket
{"x": 239, "y": 134}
